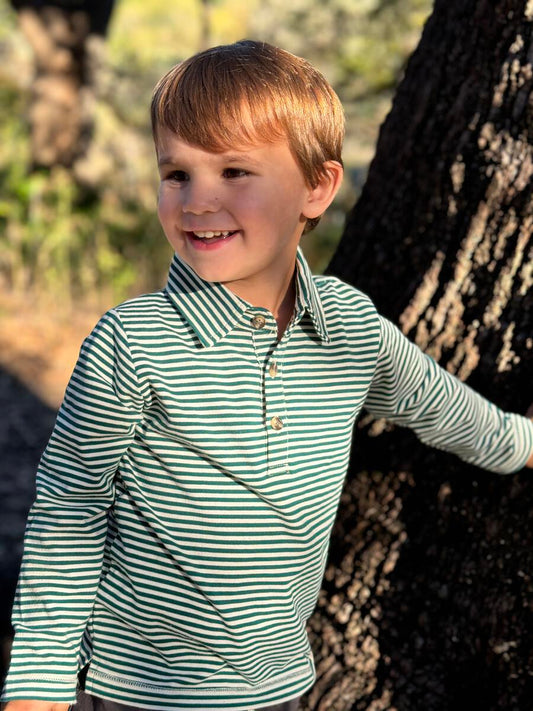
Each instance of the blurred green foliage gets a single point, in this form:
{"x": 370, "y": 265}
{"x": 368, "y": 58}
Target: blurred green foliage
{"x": 92, "y": 236}
{"x": 68, "y": 242}
{"x": 151, "y": 36}
{"x": 361, "y": 46}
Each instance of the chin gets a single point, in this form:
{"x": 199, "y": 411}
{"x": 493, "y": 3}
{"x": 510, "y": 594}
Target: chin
{"x": 210, "y": 275}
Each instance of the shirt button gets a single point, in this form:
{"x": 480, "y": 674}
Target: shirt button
{"x": 276, "y": 423}
{"x": 258, "y": 321}
{"x": 273, "y": 370}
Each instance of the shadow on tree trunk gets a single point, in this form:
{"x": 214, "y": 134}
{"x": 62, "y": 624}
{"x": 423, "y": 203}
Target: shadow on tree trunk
{"x": 426, "y": 603}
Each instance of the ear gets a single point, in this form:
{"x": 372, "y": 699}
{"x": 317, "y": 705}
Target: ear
{"x": 321, "y": 196}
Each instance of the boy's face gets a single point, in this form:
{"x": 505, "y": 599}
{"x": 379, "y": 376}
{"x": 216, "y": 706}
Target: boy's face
{"x": 235, "y": 217}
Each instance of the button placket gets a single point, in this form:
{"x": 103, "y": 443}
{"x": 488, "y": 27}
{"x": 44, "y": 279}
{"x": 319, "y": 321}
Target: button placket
{"x": 276, "y": 413}
{"x": 268, "y": 351}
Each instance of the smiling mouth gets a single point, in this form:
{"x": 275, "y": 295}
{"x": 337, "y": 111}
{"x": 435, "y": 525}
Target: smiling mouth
{"x": 208, "y": 234}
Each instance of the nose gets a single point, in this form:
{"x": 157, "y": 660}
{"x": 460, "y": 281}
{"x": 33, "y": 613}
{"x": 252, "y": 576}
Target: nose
{"x": 199, "y": 197}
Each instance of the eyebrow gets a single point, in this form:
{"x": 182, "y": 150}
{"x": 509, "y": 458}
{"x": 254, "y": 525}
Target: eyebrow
{"x": 229, "y": 158}
{"x": 164, "y": 160}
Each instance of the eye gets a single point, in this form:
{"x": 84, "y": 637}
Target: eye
{"x": 235, "y": 173}
{"x": 178, "y": 176}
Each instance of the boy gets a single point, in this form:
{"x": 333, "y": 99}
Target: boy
{"x": 186, "y": 497}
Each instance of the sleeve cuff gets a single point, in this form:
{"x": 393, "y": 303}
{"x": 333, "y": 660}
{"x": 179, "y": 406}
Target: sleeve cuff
{"x": 524, "y": 444}
{"x": 40, "y": 687}
{"x": 42, "y": 677}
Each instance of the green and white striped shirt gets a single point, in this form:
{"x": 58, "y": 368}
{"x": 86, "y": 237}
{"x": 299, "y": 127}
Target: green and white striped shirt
{"x": 186, "y": 497}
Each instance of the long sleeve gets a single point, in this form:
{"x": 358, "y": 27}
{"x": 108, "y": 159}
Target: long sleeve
{"x": 410, "y": 389}
{"x": 67, "y": 525}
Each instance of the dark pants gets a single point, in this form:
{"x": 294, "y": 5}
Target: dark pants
{"x": 86, "y": 702}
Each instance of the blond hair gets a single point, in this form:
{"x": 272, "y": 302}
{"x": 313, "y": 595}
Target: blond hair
{"x": 250, "y": 91}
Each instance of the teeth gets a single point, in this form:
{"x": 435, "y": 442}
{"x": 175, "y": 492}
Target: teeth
{"x": 210, "y": 235}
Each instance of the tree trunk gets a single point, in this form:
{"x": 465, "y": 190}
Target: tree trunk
{"x": 59, "y": 116}
{"x": 427, "y": 596}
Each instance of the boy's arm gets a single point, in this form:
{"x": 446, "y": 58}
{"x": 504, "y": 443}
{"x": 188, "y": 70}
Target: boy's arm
{"x": 67, "y": 525}
{"x": 409, "y": 388}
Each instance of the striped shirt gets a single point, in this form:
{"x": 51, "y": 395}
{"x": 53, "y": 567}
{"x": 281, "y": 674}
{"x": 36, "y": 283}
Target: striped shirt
{"x": 187, "y": 494}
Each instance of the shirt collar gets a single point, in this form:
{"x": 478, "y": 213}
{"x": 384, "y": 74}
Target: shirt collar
{"x": 308, "y": 298}
{"x": 213, "y": 311}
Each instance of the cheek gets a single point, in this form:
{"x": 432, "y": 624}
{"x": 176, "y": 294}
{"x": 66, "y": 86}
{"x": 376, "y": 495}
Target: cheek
{"x": 165, "y": 207}
{"x": 288, "y": 203}
{"x": 261, "y": 202}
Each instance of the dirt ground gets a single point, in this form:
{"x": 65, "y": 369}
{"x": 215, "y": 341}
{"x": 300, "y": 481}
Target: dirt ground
{"x": 40, "y": 345}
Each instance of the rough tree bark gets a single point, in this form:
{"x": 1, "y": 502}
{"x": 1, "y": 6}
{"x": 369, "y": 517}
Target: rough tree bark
{"x": 63, "y": 35}
{"x": 427, "y": 600}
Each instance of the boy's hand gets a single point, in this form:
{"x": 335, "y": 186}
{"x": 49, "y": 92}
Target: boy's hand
{"x": 34, "y": 705}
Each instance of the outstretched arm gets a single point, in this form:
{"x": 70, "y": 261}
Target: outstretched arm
{"x": 410, "y": 388}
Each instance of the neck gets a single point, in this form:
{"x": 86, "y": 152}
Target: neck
{"x": 280, "y": 302}
{"x": 285, "y": 310}
{"x": 280, "y": 305}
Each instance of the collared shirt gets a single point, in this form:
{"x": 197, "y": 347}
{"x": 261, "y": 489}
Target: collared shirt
{"x": 187, "y": 494}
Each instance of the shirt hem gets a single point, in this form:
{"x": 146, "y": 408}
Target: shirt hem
{"x": 146, "y": 695}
